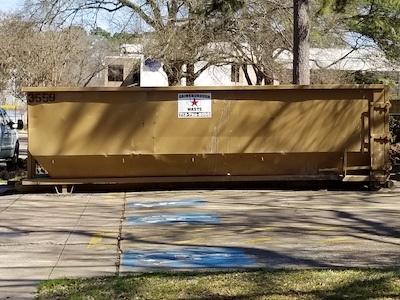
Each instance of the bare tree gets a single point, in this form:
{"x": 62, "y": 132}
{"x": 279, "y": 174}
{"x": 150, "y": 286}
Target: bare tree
{"x": 179, "y": 42}
{"x": 34, "y": 57}
{"x": 174, "y": 29}
{"x": 182, "y": 33}
{"x": 263, "y": 32}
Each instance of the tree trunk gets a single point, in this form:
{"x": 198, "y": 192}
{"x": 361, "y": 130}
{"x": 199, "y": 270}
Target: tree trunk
{"x": 174, "y": 72}
{"x": 246, "y": 74}
{"x": 190, "y": 76}
{"x": 301, "y": 47}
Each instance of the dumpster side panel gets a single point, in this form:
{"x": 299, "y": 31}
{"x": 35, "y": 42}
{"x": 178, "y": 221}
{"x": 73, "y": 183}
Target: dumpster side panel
{"x": 92, "y": 133}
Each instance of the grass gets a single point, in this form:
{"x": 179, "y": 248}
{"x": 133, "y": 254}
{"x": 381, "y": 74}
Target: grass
{"x": 260, "y": 284}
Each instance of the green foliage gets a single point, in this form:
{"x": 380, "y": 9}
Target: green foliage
{"x": 100, "y": 32}
{"x": 124, "y": 38}
{"x": 381, "y": 23}
{"x": 378, "y": 20}
{"x": 387, "y": 78}
{"x": 333, "y": 5}
{"x": 362, "y": 77}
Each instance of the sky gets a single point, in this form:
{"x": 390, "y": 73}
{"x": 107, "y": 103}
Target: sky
{"x": 7, "y": 5}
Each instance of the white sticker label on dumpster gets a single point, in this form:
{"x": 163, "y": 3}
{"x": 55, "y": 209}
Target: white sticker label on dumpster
{"x": 194, "y": 105}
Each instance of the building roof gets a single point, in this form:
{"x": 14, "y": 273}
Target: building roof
{"x": 346, "y": 59}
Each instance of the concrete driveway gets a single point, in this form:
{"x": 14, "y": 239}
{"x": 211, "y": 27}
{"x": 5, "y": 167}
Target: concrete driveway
{"x": 44, "y": 236}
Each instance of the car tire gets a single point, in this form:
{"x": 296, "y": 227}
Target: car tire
{"x": 13, "y": 162}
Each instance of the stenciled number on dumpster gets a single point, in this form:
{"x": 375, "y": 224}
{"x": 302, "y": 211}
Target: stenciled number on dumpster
{"x": 41, "y": 97}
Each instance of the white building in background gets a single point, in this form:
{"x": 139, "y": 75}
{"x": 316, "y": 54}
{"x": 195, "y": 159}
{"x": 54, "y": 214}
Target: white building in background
{"x": 344, "y": 59}
{"x": 133, "y": 68}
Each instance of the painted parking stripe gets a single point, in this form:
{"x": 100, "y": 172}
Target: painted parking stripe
{"x": 203, "y": 257}
{"x": 154, "y": 219}
{"x": 172, "y": 203}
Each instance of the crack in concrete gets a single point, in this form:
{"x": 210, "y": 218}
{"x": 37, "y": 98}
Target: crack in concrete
{"x": 11, "y": 204}
{"x": 119, "y": 250}
{"x": 70, "y": 234}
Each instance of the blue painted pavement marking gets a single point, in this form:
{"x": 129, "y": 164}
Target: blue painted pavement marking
{"x": 203, "y": 257}
{"x": 151, "y": 219}
{"x": 171, "y": 203}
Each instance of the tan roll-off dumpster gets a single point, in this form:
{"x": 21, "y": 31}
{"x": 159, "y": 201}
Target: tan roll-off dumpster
{"x": 88, "y": 135}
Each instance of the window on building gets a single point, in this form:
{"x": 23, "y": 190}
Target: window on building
{"x": 115, "y": 73}
{"x": 235, "y": 72}
{"x": 133, "y": 78}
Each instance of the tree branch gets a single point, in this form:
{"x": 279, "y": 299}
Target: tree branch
{"x": 137, "y": 9}
{"x": 158, "y": 20}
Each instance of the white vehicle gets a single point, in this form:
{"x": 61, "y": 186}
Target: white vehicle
{"x": 9, "y": 142}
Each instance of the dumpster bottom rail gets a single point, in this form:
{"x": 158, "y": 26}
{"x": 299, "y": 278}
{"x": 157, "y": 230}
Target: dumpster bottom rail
{"x": 46, "y": 183}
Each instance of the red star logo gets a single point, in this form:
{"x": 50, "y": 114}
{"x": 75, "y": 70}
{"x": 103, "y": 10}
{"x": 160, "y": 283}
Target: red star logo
{"x": 194, "y": 102}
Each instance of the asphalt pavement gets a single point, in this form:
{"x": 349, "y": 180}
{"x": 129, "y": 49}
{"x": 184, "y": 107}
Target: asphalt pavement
{"x": 47, "y": 236}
